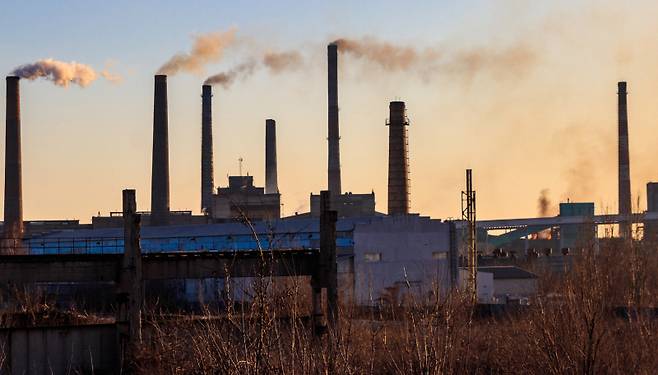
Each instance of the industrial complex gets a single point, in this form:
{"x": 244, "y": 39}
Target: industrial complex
{"x": 380, "y": 257}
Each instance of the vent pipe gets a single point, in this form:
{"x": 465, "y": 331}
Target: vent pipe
{"x": 160, "y": 167}
{"x": 624, "y": 163}
{"x": 333, "y": 132}
{"x": 207, "y": 182}
{"x": 13, "y": 224}
{"x": 398, "y": 160}
{"x": 271, "y": 184}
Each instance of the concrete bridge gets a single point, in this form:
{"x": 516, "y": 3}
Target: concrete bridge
{"x": 84, "y": 268}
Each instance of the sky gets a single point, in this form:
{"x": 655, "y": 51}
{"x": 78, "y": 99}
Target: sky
{"x": 522, "y": 92}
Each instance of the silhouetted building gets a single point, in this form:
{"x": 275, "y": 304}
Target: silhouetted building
{"x": 241, "y": 199}
{"x": 347, "y": 205}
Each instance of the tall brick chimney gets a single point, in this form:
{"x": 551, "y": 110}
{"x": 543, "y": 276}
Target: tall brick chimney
{"x": 271, "y": 184}
{"x": 160, "y": 167}
{"x": 624, "y": 162}
{"x": 207, "y": 181}
{"x": 13, "y": 221}
{"x": 398, "y": 160}
{"x": 333, "y": 132}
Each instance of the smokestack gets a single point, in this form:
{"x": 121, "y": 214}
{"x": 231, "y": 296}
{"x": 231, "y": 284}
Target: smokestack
{"x": 398, "y": 160}
{"x": 207, "y": 183}
{"x": 271, "y": 185}
{"x": 160, "y": 167}
{"x": 13, "y": 225}
{"x": 624, "y": 162}
{"x": 334, "y": 137}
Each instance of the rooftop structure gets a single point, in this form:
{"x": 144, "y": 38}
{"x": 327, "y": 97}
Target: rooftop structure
{"x": 241, "y": 199}
{"x": 347, "y": 205}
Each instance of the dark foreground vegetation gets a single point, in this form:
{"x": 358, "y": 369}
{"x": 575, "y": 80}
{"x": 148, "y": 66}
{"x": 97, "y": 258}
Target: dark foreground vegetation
{"x": 596, "y": 319}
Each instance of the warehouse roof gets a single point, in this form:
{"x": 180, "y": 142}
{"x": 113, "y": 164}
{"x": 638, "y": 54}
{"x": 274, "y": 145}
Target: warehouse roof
{"x": 302, "y": 225}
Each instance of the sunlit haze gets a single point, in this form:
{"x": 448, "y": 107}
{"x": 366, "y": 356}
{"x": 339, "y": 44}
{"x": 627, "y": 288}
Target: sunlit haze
{"x": 524, "y": 93}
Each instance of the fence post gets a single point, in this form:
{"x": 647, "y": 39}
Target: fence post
{"x": 130, "y": 294}
{"x": 325, "y": 276}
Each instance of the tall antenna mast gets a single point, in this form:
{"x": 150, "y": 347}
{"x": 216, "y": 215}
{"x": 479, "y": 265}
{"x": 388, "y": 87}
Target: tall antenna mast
{"x": 468, "y": 215}
{"x": 240, "y": 160}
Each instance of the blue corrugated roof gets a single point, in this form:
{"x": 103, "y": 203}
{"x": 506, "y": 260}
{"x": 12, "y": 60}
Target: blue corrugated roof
{"x": 300, "y": 233}
{"x": 234, "y": 228}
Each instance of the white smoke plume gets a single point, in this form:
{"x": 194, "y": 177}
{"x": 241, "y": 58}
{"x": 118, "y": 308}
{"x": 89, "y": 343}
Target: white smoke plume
{"x": 111, "y": 77}
{"x": 59, "y": 72}
{"x": 207, "y": 48}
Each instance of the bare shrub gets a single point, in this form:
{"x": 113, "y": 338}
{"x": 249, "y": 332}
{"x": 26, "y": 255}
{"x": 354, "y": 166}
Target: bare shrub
{"x": 597, "y": 318}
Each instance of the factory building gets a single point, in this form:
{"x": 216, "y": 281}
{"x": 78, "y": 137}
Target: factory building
{"x": 510, "y": 282}
{"x": 502, "y": 284}
{"x": 378, "y": 257}
{"x": 651, "y": 227}
{"x": 577, "y": 236}
{"x": 241, "y": 199}
{"x": 400, "y": 257}
{"x": 381, "y": 258}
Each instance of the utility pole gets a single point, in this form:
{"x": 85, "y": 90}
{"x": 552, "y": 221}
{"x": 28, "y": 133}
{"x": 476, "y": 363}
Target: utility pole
{"x": 468, "y": 215}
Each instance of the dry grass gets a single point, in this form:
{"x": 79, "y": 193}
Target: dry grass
{"x": 23, "y": 308}
{"x": 572, "y": 327}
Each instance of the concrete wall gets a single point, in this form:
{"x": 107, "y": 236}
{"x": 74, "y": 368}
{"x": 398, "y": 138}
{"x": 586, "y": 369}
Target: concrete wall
{"x": 60, "y": 350}
{"x": 400, "y": 256}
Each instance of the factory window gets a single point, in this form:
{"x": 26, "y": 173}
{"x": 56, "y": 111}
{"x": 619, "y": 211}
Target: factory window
{"x": 372, "y": 257}
{"x": 439, "y": 255}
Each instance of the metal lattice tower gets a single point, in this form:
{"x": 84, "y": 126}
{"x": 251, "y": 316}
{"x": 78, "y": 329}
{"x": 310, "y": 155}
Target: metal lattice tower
{"x": 470, "y": 239}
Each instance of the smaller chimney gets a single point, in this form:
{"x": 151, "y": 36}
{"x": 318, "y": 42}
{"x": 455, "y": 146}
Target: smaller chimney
{"x": 207, "y": 181}
{"x": 13, "y": 224}
{"x": 160, "y": 166}
{"x": 624, "y": 162}
{"x": 398, "y": 160}
{"x": 271, "y": 185}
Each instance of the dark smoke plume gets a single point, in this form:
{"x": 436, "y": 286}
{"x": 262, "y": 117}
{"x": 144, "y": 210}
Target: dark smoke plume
{"x": 276, "y": 62}
{"x": 544, "y": 203}
{"x": 62, "y": 73}
{"x": 227, "y": 78}
{"x": 207, "y": 48}
{"x": 389, "y": 56}
{"x": 464, "y": 62}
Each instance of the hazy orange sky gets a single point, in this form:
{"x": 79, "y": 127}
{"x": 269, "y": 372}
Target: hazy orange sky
{"x": 538, "y": 111}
